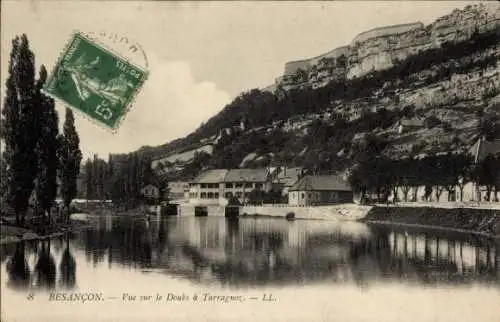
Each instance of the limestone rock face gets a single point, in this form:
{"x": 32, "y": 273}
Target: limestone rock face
{"x": 381, "y": 48}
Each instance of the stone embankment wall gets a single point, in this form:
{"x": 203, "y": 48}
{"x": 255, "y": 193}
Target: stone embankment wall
{"x": 188, "y": 210}
{"x": 483, "y": 221}
{"x": 341, "y": 211}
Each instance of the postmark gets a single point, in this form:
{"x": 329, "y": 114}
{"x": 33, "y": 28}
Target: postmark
{"x": 95, "y": 81}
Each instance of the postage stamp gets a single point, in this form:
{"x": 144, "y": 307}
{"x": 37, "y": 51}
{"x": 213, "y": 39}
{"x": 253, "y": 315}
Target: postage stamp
{"x": 95, "y": 81}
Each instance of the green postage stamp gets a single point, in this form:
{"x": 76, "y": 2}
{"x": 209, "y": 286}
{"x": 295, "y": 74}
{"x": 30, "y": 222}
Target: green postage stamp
{"x": 95, "y": 81}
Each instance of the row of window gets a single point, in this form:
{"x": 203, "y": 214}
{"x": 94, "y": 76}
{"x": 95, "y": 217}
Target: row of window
{"x": 210, "y": 185}
{"x": 315, "y": 195}
{"x": 215, "y": 195}
{"x": 232, "y": 185}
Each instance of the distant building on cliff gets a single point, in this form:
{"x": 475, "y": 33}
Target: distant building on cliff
{"x": 407, "y": 125}
{"x": 383, "y": 47}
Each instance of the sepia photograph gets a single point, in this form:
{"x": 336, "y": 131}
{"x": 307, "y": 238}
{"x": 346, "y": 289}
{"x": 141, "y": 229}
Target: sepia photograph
{"x": 249, "y": 161}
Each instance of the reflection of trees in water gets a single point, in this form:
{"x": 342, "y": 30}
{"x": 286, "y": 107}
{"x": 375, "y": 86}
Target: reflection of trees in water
{"x": 128, "y": 242}
{"x": 239, "y": 251}
{"x": 18, "y": 269}
{"x": 67, "y": 267}
{"x": 95, "y": 245}
{"x": 429, "y": 258}
{"x": 45, "y": 268}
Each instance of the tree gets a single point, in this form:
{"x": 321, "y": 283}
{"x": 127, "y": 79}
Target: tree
{"x": 89, "y": 189}
{"x": 20, "y": 127}
{"x": 256, "y": 197}
{"x": 3, "y": 179}
{"x": 487, "y": 173}
{"x": 70, "y": 158}
{"x": 109, "y": 177}
{"x": 48, "y": 144}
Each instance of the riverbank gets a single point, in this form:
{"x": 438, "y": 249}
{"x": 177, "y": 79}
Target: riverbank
{"x": 14, "y": 234}
{"x": 329, "y": 212}
{"x": 479, "y": 221}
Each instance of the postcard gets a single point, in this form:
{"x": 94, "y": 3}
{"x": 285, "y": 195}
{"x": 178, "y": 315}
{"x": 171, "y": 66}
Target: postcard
{"x": 250, "y": 161}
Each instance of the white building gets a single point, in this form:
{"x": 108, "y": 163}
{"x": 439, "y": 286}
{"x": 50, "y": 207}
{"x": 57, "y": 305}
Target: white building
{"x": 217, "y": 186}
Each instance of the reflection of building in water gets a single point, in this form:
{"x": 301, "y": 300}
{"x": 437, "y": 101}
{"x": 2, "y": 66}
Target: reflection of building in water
{"x": 461, "y": 256}
{"x": 268, "y": 251}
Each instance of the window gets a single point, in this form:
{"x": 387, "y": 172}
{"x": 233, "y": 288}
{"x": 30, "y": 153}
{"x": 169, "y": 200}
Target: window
{"x": 258, "y": 185}
{"x": 203, "y": 195}
{"x": 302, "y": 195}
{"x": 203, "y": 185}
{"x": 229, "y": 195}
{"x": 216, "y": 195}
{"x": 239, "y": 185}
{"x": 309, "y": 195}
{"x": 213, "y": 185}
{"x": 210, "y": 195}
{"x": 229, "y": 185}
{"x": 238, "y": 194}
{"x": 248, "y": 185}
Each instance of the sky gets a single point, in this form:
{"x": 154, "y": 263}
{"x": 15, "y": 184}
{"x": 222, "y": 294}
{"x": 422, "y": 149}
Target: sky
{"x": 200, "y": 55}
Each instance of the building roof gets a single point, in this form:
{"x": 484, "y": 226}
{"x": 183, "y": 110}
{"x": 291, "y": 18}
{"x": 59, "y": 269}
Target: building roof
{"x": 211, "y": 176}
{"x": 149, "y": 186}
{"x": 412, "y": 122}
{"x": 246, "y": 175}
{"x": 482, "y": 148}
{"x": 289, "y": 176}
{"x": 321, "y": 183}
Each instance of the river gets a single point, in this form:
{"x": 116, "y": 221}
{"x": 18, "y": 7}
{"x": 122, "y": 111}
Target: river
{"x": 131, "y": 269}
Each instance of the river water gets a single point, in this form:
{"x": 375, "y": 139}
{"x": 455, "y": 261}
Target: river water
{"x": 131, "y": 269}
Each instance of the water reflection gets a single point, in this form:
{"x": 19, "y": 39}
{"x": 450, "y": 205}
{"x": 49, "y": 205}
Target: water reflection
{"x": 249, "y": 252}
{"x": 18, "y": 269}
{"x": 45, "y": 268}
{"x": 67, "y": 267}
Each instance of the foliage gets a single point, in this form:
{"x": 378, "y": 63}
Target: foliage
{"x": 121, "y": 178}
{"x": 487, "y": 173}
{"x": 382, "y": 175}
{"x": 48, "y": 145}
{"x": 70, "y": 158}
{"x": 21, "y": 128}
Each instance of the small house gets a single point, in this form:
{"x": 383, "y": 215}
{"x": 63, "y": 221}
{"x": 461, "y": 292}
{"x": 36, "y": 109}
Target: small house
{"x": 286, "y": 178}
{"x": 178, "y": 190}
{"x": 151, "y": 192}
{"x": 407, "y": 125}
{"x": 320, "y": 190}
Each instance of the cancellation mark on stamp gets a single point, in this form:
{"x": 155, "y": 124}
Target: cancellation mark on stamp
{"x": 95, "y": 81}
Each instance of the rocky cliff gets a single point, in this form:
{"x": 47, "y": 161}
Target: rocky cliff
{"x": 419, "y": 90}
{"x": 383, "y": 48}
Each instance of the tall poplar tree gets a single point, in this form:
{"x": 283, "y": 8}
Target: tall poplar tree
{"x": 47, "y": 147}
{"x": 89, "y": 191}
{"x": 21, "y": 127}
{"x": 70, "y": 158}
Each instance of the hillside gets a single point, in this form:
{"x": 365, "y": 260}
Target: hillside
{"x": 408, "y": 89}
